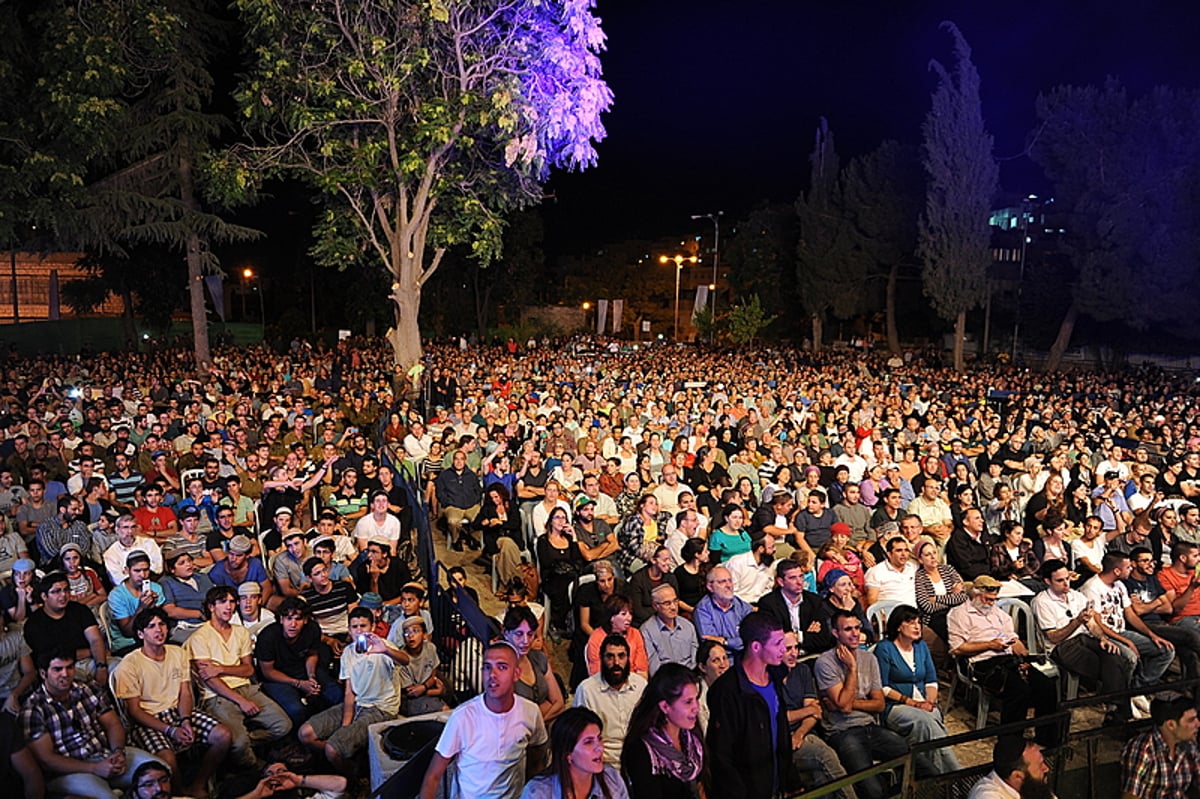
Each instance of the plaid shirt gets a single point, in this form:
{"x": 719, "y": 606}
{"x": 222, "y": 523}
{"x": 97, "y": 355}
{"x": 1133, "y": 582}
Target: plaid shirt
{"x": 1147, "y": 769}
{"x": 74, "y": 723}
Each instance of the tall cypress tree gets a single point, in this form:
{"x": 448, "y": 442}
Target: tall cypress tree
{"x": 821, "y": 263}
{"x": 953, "y": 234}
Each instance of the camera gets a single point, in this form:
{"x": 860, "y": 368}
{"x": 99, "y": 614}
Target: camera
{"x": 360, "y": 644}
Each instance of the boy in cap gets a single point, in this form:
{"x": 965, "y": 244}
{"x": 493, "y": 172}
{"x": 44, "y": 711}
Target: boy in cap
{"x": 250, "y": 611}
{"x": 374, "y": 603}
{"x": 239, "y": 568}
{"x": 421, "y": 686}
{"x": 189, "y": 538}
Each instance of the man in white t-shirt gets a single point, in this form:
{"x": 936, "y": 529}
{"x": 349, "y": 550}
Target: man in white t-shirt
{"x": 378, "y": 525}
{"x": 497, "y": 738}
{"x": 1110, "y": 598}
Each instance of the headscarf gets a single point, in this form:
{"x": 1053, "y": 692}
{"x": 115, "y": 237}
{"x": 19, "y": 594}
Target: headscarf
{"x": 831, "y": 578}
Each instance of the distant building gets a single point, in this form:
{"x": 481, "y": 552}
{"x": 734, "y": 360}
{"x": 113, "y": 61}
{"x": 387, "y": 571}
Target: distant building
{"x": 39, "y": 280}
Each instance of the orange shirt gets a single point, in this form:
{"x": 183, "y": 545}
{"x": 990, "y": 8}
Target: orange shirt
{"x": 1172, "y": 580}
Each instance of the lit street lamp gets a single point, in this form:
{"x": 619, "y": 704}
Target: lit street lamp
{"x": 248, "y": 275}
{"x": 679, "y": 261}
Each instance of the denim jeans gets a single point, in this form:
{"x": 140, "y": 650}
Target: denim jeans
{"x": 859, "y": 747}
{"x": 288, "y": 697}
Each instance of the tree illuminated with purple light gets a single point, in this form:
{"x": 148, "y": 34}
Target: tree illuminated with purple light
{"x": 422, "y": 122}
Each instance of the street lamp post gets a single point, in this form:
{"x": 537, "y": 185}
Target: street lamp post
{"x": 679, "y": 261}
{"x": 716, "y": 220}
{"x": 1026, "y": 211}
{"x": 249, "y": 275}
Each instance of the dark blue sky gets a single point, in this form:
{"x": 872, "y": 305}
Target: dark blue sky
{"x": 716, "y": 101}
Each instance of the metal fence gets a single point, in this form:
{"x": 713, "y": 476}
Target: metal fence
{"x": 461, "y": 629}
{"x": 1088, "y": 763}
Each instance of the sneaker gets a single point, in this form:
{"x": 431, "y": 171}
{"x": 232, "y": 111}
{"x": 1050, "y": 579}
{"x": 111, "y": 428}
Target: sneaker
{"x": 1141, "y": 707}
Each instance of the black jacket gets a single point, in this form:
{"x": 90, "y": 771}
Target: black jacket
{"x": 739, "y": 739}
{"x": 970, "y": 557}
{"x": 811, "y": 610}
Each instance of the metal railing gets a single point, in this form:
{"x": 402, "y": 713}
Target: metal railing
{"x": 1087, "y": 763}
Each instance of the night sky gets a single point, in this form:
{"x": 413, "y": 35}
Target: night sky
{"x": 716, "y": 102}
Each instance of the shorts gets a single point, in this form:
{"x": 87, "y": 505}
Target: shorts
{"x": 349, "y": 740}
{"x": 153, "y": 740}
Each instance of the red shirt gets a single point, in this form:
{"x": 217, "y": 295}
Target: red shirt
{"x": 153, "y": 521}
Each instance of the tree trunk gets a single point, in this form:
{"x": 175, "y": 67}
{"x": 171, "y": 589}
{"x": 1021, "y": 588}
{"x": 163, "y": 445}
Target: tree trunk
{"x": 960, "y": 332}
{"x": 195, "y": 267}
{"x": 1059, "y": 348}
{"x": 405, "y": 337}
{"x": 893, "y": 334}
{"x": 985, "y": 347}
{"x": 127, "y": 321}
{"x": 818, "y": 332}
{"x": 196, "y": 295}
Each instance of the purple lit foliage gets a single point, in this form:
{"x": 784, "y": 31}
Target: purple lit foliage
{"x": 562, "y": 93}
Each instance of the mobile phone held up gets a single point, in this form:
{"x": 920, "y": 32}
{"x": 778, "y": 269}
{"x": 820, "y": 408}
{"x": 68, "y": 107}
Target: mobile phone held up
{"x": 360, "y": 644}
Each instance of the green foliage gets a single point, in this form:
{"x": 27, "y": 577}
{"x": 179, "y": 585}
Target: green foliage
{"x": 746, "y": 320}
{"x": 761, "y": 255}
{"x": 954, "y": 237}
{"x": 882, "y": 192}
{"x": 824, "y": 270}
{"x": 706, "y": 324}
{"x": 423, "y": 123}
{"x": 152, "y": 278}
{"x": 1125, "y": 172}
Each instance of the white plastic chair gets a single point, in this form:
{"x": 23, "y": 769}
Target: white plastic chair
{"x": 878, "y": 614}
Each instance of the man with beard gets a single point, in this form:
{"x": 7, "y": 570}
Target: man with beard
{"x": 1018, "y": 769}
{"x": 985, "y": 635}
{"x": 151, "y": 780}
{"x": 496, "y": 738}
{"x": 127, "y": 542}
{"x": 65, "y": 527}
{"x": 612, "y": 693}
{"x": 748, "y": 737}
{"x": 1162, "y": 760}
{"x": 752, "y": 571}
{"x": 596, "y": 537}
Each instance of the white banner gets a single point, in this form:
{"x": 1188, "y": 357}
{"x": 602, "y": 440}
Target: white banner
{"x": 618, "y": 310}
{"x": 701, "y": 300}
{"x": 601, "y": 315}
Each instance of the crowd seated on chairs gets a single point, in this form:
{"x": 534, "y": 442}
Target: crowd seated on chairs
{"x": 228, "y": 563}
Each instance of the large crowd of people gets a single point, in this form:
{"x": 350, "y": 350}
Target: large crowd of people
{"x": 762, "y": 566}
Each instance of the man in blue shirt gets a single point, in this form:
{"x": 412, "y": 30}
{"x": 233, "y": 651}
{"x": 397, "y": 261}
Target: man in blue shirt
{"x": 748, "y": 736}
{"x": 719, "y": 613}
